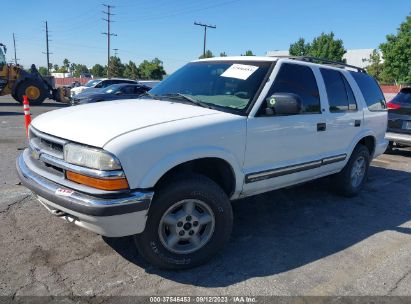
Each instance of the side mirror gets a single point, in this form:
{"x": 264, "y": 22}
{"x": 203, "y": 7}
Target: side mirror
{"x": 283, "y": 104}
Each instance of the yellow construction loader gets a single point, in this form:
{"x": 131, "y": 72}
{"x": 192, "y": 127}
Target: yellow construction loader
{"x": 18, "y": 82}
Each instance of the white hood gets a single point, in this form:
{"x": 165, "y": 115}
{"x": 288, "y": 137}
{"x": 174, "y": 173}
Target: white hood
{"x": 96, "y": 124}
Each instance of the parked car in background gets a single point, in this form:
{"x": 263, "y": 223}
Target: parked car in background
{"x": 95, "y": 84}
{"x": 149, "y": 83}
{"x": 399, "y": 119}
{"x": 113, "y": 92}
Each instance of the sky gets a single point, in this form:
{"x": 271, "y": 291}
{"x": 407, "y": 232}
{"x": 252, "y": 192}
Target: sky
{"x": 164, "y": 28}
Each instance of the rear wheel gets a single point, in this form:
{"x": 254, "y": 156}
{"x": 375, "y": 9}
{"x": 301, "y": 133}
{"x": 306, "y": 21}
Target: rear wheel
{"x": 188, "y": 223}
{"x": 352, "y": 178}
{"x": 33, "y": 89}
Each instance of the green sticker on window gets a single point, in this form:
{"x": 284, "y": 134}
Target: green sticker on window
{"x": 272, "y": 101}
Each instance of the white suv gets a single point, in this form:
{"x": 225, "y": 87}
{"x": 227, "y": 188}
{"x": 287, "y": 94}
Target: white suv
{"x": 164, "y": 167}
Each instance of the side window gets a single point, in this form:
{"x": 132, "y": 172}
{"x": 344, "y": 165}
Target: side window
{"x": 299, "y": 80}
{"x": 106, "y": 83}
{"x": 127, "y": 90}
{"x": 340, "y": 95}
{"x": 370, "y": 90}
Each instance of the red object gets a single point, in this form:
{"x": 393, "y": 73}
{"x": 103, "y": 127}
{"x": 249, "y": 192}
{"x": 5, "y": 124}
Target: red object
{"x": 393, "y": 106}
{"x": 27, "y": 116}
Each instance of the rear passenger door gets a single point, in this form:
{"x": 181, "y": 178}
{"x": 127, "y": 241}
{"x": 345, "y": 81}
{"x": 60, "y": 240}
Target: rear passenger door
{"x": 344, "y": 118}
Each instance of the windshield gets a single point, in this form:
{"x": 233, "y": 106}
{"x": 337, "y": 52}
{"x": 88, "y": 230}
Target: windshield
{"x": 114, "y": 88}
{"x": 2, "y": 57}
{"x": 92, "y": 83}
{"x": 219, "y": 84}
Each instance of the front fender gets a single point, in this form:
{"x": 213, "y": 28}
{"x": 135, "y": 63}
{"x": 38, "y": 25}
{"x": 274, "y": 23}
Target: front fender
{"x": 172, "y": 160}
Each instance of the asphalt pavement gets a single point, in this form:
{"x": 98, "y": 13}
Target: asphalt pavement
{"x": 303, "y": 240}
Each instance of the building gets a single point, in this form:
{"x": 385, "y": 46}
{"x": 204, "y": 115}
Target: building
{"x": 354, "y": 57}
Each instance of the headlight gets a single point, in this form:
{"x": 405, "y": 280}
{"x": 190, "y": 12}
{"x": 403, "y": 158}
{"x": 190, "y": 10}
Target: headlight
{"x": 90, "y": 157}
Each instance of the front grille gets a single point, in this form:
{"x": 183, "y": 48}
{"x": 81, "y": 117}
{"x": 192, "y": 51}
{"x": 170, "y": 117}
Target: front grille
{"x": 44, "y": 143}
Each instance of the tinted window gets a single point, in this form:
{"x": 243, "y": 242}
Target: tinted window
{"x": 340, "y": 95}
{"x": 370, "y": 90}
{"x": 404, "y": 96}
{"x": 128, "y": 90}
{"x": 300, "y": 80}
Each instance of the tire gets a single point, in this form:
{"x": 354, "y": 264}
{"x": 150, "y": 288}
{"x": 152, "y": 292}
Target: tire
{"x": 41, "y": 93}
{"x": 343, "y": 181}
{"x": 171, "y": 201}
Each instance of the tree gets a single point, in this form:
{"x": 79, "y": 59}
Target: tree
{"x": 324, "y": 46}
{"x": 79, "y": 69}
{"x": 131, "y": 70}
{"x": 299, "y": 48}
{"x": 98, "y": 70}
{"x": 43, "y": 71}
{"x": 66, "y": 63}
{"x": 55, "y": 67}
{"x": 151, "y": 69}
{"x": 248, "y": 53}
{"x": 116, "y": 68}
{"x": 376, "y": 67}
{"x": 223, "y": 54}
{"x": 397, "y": 53}
{"x": 208, "y": 54}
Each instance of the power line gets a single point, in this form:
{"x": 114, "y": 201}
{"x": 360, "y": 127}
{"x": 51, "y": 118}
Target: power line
{"x": 109, "y": 34}
{"x": 205, "y": 34}
{"x": 115, "y": 52}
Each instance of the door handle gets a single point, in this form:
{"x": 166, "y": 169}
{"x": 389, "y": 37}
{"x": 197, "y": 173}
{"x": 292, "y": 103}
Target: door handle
{"x": 357, "y": 123}
{"x": 321, "y": 126}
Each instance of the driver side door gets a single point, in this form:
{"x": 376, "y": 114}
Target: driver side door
{"x": 286, "y": 149}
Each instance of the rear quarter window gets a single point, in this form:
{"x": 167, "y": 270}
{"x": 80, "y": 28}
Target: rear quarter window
{"x": 370, "y": 90}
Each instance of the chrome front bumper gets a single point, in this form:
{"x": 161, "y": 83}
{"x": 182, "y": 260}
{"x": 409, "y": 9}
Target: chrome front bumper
{"x": 115, "y": 215}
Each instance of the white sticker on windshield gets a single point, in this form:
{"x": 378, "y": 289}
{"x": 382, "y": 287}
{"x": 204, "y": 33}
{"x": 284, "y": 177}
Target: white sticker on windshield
{"x": 239, "y": 71}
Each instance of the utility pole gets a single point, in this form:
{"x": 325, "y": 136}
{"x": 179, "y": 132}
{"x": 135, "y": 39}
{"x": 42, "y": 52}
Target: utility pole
{"x": 205, "y": 34}
{"x": 109, "y": 34}
{"x": 15, "y": 52}
{"x": 47, "y": 49}
{"x": 115, "y": 52}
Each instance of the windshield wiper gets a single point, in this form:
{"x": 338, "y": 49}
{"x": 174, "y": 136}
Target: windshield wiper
{"x": 188, "y": 98}
{"x": 147, "y": 94}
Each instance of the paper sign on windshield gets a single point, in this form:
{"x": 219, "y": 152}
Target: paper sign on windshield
{"x": 239, "y": 71}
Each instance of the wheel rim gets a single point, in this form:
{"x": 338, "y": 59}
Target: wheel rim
{"x": 186, "y": 226}
{"x": 358, "y": 171}
{"x": 32, "y": 92}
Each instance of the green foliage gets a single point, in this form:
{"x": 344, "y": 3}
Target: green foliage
{"x": 248, "y": 53}
{"x": 151, "y": 69}
{"x": 43, "y": 71}
{"x": 324, "y": 46}
{"x": 208, "y": 54}
{"x": 299, "y": 48}
{"x": 376, "y": 67}
{"x": 397, "y": 54}
{"x": 98, "y": 70}
{"x": 116, "y": 68}
{"x": 55, "y": 67}
{"x": 223, "y": 54}
{"x": 66, "y": 63}
{"x": 131, "y": 71}
{"x": 79, "y": 69}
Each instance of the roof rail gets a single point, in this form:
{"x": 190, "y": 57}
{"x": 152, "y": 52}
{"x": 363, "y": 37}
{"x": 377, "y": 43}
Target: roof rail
{"x": 337, "y": 64}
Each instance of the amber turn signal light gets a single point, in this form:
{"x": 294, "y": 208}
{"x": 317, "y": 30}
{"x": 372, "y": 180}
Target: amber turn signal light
{"x": 103, "y": 184}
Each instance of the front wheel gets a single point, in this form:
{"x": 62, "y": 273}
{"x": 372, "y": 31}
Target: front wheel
{"x": 351, "y": 179}
{"x": 33, "y": 89}
{"x": 189, "y": 221}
